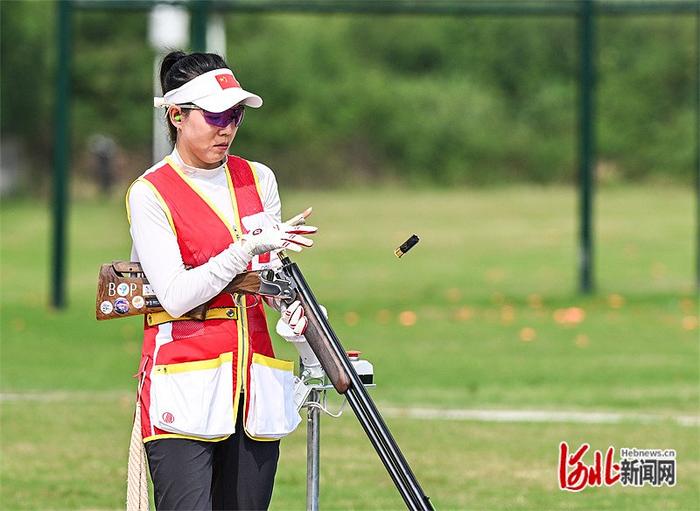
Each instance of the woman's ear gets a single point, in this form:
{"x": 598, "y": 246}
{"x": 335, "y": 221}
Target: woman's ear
{"x": 175, "y": 116}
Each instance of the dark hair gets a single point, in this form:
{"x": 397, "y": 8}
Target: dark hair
{"x": 179, "y": 68}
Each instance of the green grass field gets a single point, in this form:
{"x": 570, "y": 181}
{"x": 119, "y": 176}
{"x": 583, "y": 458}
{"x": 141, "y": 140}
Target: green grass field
{"x": 483, "y": 313}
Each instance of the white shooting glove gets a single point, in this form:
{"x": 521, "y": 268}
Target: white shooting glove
{"x": 293, "y": 316}
{"x": 263, "y": 220}
{"x": 277, "y": 237}
{"x": 266, "y": 235}
{"x": 291, "y": 326}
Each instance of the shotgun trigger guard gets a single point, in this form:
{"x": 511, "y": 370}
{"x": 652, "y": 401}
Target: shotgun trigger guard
{"x": 273, "y": 284}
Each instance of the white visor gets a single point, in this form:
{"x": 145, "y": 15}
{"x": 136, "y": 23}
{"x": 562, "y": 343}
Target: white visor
{"x": 214, "y": 91}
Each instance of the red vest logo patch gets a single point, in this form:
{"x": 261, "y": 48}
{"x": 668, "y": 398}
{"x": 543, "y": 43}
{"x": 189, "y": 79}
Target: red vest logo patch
{"x": 227, "y": 81}
{"x": 168, "y": 418}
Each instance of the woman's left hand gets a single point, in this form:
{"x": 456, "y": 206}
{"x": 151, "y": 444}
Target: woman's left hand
{"x": 293, "y": 322}
{"x": 294, "y": 316}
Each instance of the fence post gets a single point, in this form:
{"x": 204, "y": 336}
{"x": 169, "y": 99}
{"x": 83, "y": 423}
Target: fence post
{"x": 61, "y": 152}
{"x": 586, "y": 20}
{"x": 198, "y": 27}
{"x": 697, "y": 150}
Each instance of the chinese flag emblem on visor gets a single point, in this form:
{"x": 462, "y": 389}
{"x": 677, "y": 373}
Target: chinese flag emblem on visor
{"x": 227, "y": 81}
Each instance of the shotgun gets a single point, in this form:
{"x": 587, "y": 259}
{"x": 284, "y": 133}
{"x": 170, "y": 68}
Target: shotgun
{"x": 330, "y": 352}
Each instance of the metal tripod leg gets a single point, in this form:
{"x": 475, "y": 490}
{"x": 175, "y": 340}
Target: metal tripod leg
{"x": 313, "y": 450}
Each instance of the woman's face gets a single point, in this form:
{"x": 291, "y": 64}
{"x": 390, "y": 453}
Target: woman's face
{"x": 199, "y": 143}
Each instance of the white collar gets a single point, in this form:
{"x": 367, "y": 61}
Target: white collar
{"x": 189, "y": 169}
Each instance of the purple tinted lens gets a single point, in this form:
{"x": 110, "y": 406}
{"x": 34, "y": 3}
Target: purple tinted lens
{"x": 221, "y": 120}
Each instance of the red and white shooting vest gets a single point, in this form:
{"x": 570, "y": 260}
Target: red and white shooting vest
{"x": 192, "y": 373}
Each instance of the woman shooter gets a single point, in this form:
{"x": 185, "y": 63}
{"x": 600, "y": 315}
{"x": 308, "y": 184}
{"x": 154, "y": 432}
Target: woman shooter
{"x": 210, "y": 403}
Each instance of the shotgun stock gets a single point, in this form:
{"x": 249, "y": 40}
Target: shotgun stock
{"x": 123, "y": 290}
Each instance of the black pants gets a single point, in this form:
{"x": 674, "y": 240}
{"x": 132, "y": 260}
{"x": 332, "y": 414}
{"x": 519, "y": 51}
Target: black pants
{"x": 236, "y": 473}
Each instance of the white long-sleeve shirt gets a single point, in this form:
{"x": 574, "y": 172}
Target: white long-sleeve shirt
{"x": 155, "y": 244}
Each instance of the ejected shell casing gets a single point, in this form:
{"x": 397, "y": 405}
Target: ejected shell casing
{"x": 407, "y": 245}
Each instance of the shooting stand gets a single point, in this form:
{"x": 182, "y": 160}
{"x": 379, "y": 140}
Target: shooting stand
{"x": 315, "y": 402}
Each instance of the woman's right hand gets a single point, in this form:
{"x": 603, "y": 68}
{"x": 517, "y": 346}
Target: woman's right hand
{"x": 277, "y": 237}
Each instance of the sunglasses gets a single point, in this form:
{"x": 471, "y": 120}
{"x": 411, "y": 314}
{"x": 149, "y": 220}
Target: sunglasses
{"x": 222, "y": 119}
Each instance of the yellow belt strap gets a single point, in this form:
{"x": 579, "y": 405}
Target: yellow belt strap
{"x": 157, "y": 318}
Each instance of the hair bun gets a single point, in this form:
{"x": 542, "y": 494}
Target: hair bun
{"x": 168, "y": 62}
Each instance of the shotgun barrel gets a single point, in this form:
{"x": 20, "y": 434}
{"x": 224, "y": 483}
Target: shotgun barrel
{"x": 331, "y": 354}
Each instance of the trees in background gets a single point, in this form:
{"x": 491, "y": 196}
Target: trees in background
{"x": 360, "y": 98}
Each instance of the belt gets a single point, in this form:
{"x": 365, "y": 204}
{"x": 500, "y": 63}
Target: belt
{"x": 157, "y": 318}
